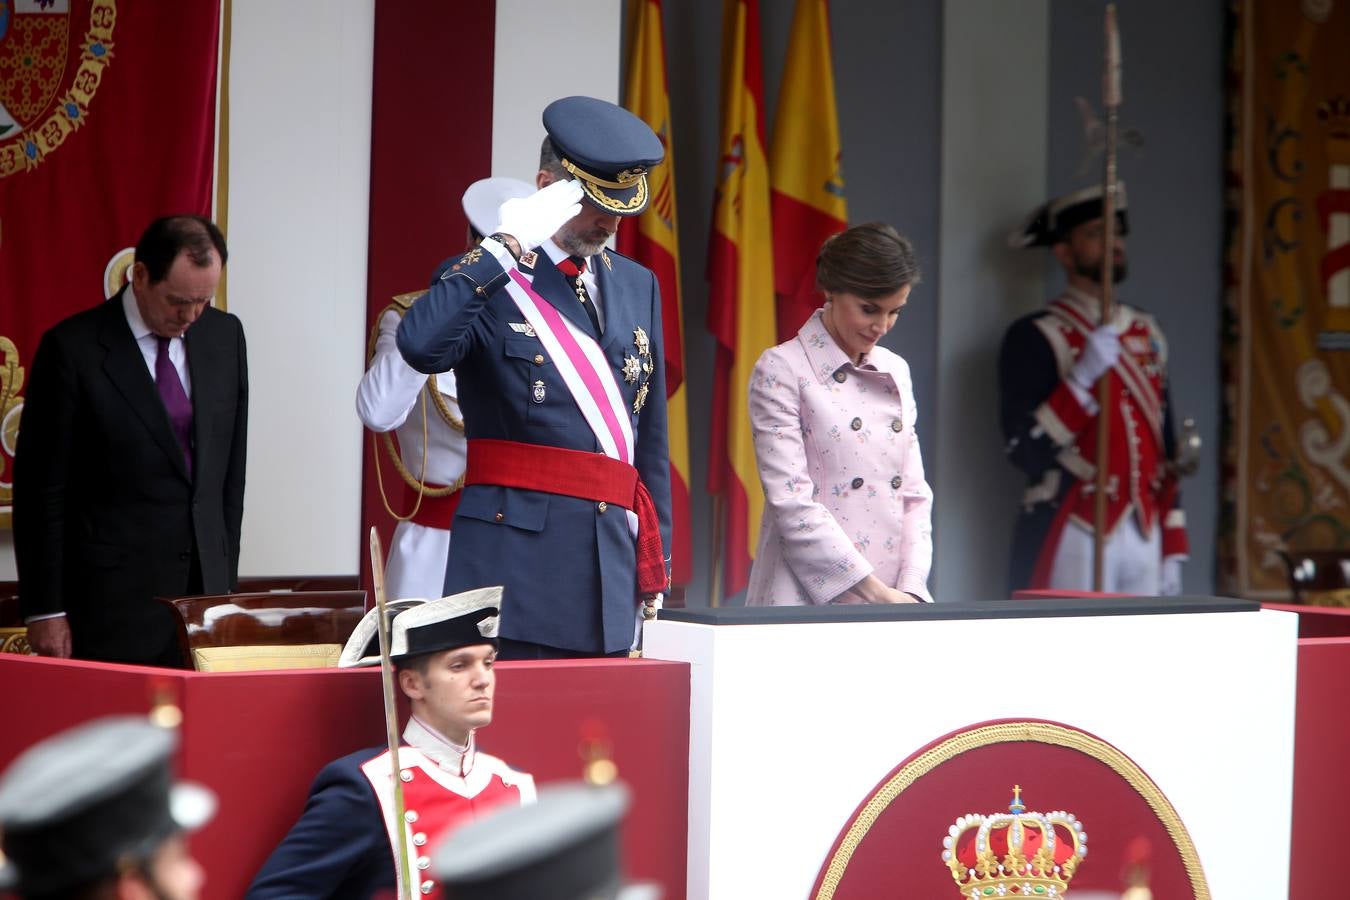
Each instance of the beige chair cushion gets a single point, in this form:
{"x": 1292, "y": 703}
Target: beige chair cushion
{"x": 254, "y": 658}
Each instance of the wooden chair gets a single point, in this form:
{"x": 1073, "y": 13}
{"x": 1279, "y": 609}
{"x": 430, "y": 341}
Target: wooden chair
{"x": 266, "y": 630}
{"x": 1319, "y": 577}
{"x": 249, "y": 584}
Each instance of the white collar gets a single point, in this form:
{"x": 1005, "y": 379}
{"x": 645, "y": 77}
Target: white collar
{"x": 456, "y": 759}
{"x": 132, "y": 310}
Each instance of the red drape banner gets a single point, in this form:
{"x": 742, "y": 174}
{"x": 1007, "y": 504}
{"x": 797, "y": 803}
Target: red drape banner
{"x": 431, "y": 137}
{"x": 107, "y": 120}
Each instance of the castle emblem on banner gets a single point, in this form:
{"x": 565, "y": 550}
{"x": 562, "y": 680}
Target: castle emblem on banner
{"x": 53, "y": 54}
{"x": 1015, "y": 854}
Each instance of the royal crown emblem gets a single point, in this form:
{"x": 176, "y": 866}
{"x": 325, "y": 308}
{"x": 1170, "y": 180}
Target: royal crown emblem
{"x": 1015, "y": 854}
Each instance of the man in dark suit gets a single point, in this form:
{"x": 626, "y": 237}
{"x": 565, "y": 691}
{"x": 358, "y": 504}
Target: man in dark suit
{"x": 556, "y": 344}
{"x": 129, "y": 471}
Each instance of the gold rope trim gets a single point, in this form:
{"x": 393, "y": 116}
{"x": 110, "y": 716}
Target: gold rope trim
{"x": 386, "y": 439}
{"x": 626, "y": 179}
{"x": 1010, "y": 732}
{"x": 634, "y": 204}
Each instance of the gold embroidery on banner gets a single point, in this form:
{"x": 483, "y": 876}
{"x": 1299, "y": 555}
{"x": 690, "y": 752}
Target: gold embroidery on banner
{"x": 11, "y": 409}
{"x": 1009, "y": 732}
{"x": 31, "y": 145}
{"x": 400, "y": 305}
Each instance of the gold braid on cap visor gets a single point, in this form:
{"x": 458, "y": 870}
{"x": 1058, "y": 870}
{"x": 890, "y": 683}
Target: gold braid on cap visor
{"x": 591, "y": 186}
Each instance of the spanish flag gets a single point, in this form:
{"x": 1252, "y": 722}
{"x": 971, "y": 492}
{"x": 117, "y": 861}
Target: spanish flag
{"x": 808, "y": 183}
{"x": 653, "y": 241}
{"x": 740, "y": 296}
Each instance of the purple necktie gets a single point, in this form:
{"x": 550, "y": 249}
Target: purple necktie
{"x": 176, "y": 402}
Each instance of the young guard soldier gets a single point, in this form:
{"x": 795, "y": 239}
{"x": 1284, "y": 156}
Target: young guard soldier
{"x": 346, "y": 843}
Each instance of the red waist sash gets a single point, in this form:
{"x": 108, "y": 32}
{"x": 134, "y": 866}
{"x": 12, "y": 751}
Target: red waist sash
{"x": 575, "y": 473}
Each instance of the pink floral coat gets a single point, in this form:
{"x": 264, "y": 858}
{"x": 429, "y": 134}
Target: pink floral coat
{"x": 844, "y": 489}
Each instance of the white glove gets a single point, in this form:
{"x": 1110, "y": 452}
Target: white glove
{"x": 1169, "y": 582}
{"x": 534, "y": 219}
{"x": 1099, "y": 354}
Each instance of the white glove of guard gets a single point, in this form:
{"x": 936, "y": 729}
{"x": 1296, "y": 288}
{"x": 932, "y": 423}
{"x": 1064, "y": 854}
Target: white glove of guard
{"x": 1099, "y": 354}
{"x": 534, "y": 219}
{"x": 1169, "y": 582}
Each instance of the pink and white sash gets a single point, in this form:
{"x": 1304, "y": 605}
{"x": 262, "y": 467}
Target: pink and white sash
{"x": 581, "y": 363}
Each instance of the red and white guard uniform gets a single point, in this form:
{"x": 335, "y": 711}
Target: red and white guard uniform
{"x": 1051, "y": 429}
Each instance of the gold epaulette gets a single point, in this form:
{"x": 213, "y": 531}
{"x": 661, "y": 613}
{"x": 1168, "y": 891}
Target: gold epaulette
{"x": 400, "y": 303}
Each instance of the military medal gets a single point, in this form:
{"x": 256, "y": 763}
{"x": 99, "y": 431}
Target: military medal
{"x": 642, "y": 365}
{"x": 538, "y": 392}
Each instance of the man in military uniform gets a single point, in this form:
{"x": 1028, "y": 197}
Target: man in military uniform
{"x": 346, "y": 842}
{"x": 423, "y": 411}
{"x": 556, "y": 343}
{"x": 93, "y": 812}
{"x": 1049, "y": 367}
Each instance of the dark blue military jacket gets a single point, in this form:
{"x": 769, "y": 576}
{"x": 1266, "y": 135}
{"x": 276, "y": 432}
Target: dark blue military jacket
{"x": 339, "y": 848}
{"x": 567, "y": 564}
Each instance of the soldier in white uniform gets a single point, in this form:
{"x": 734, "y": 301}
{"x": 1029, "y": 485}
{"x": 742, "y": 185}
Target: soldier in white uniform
{"x": 423, "y": 412}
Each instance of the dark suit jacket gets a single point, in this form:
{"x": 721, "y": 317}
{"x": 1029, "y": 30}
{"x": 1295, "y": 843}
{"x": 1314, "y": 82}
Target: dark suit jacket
{"x": 567, "y": 566}
{"x": 105, "y": 514}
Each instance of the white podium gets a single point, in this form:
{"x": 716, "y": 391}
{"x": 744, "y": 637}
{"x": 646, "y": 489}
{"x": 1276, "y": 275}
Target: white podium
{"x": 797, "y": 714}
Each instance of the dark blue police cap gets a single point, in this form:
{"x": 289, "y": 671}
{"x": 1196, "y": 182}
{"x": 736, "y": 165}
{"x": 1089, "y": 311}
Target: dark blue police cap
{"x": 1051, "y": 222}
{"x": 607, "y": 149}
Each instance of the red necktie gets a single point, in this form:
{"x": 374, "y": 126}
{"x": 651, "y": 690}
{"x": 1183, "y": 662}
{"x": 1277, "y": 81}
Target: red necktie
{"x": 572, "y": 267}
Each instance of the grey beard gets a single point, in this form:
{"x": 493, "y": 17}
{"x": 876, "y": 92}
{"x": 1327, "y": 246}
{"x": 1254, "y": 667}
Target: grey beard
{"x": 575, "y": 246}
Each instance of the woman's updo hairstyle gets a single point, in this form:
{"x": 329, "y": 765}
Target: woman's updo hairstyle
{"x": 868, "y": 261}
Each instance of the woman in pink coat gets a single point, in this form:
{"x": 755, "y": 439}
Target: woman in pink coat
{"x": 847, "y": 513}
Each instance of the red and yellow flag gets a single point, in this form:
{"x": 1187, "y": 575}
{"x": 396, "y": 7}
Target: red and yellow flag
{"x": 808, "y": 183}
{"x": 740, "y": 297}
{"x": 653, "y": 241}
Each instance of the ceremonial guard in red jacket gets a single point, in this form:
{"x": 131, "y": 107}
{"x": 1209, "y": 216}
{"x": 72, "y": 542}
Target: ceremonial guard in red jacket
{"x": 1049, "y": 367}
{"x": 346, "y": 842}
